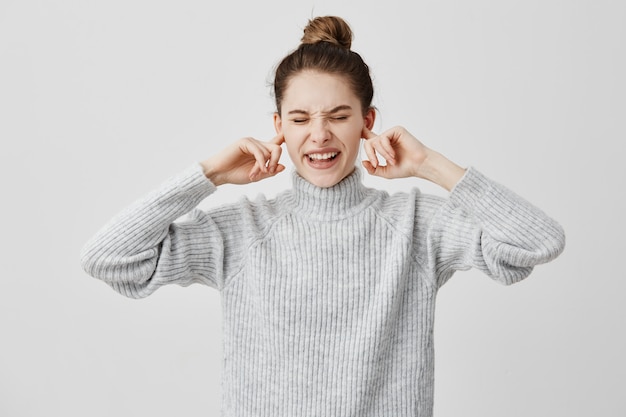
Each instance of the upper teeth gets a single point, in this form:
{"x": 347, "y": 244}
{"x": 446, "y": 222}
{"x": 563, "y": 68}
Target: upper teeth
{"x": 322, "y": 155}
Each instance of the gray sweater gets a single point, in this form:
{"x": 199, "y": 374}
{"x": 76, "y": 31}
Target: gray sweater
{"x": 328, "y": 295}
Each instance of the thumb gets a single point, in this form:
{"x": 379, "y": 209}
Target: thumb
{"x": 256, "y": 175}
{"x": 382, "y": 171}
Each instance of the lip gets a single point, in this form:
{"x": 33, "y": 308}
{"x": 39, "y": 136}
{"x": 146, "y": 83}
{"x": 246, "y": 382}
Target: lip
{"x": 322, "y": 150}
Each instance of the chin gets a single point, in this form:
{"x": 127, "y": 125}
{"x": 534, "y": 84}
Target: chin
{"x": 325, "y": 180}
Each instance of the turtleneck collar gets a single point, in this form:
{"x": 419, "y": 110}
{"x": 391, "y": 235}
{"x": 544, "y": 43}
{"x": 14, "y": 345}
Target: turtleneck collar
{"x": 333, "y": 203}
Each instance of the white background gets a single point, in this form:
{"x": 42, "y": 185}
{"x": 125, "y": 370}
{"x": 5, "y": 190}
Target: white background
{"x": 100, "y": 101}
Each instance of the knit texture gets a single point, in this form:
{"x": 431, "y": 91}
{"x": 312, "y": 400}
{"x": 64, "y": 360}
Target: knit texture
{"x": 328, "y": 294}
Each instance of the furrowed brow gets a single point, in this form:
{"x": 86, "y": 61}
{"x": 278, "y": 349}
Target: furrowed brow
{"x": 334, "y": 110}
{"x": 337, "y": 109}
{"x": 298, "y": 112}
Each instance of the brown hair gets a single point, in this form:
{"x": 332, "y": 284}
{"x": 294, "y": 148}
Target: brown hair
{"x": 325, "y": 47}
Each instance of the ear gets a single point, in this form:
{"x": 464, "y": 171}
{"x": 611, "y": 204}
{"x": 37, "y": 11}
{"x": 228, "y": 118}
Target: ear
{"x": 278, "y": 123}
{"x": 370, "y": 118}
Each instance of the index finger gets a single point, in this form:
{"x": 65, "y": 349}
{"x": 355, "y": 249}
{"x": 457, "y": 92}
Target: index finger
{"x": 278, "y": 139}
{"x": 367, "y": 134}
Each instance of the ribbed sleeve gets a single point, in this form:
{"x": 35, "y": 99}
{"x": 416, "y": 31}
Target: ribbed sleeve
{"x": 141, "y": 249}
{"x": 486, "y": 226}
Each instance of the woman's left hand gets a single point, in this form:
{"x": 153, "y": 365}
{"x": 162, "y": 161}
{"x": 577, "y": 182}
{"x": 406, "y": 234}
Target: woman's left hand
{"x": 407, "y": 157}
{"x": 402, "y": 151}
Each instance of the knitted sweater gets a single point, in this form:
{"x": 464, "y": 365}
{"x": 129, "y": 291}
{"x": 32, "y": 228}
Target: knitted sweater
{"x": 328, "y": 294}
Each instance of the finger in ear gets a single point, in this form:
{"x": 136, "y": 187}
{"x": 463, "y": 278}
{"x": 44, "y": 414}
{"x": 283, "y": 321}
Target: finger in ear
{"x": 367, "y": 134}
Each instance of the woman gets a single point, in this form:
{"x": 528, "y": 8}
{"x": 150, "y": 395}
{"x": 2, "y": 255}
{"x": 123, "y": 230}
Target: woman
{"x": 328, "y": 290}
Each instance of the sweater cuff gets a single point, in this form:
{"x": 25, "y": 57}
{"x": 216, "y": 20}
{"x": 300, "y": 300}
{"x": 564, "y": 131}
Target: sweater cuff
{"x": 195, "y": 171}
{"x": 182, "y": 192}
{"x": 470, "y": 189}
{"x": 193, "y": 181}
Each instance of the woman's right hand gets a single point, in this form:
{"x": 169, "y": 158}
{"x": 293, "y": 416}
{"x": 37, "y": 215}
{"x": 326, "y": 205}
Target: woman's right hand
{"x": 245, "y": 161}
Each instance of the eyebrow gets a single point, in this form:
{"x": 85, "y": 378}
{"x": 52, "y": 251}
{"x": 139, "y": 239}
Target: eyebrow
{"x": 332, "y": 111}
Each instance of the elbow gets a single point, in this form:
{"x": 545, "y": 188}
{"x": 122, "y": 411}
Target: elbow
{"x": 89, "y": 260}
{"x": 118, "y": 269}
{"x": 132, "y": 280}
{"x": 557, "y": 242}
{"x": 548, "y": 247}
{"x": 510, "y": 264}
{"x": 507, "y": 274}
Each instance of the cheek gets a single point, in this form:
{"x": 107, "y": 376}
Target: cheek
{"x": 293, "y": 146}
{"x": 354, "y": 127}
{"x": 293, "y": 153}
{"x": 352, "y": 135}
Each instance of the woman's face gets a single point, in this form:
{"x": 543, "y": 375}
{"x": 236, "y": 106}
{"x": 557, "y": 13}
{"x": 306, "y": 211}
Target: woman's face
{"x": 322, "y": 121}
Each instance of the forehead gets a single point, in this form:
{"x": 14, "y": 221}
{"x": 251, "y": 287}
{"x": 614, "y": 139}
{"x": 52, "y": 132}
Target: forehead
{"x": 315, "y": 91}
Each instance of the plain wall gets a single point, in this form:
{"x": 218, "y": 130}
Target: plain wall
{"x": 102, "y": 101}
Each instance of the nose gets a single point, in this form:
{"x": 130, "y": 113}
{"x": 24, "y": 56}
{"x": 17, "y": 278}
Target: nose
{"x": 319, "y": 133}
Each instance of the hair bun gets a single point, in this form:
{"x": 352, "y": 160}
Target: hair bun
{"x": 329, "y": 29}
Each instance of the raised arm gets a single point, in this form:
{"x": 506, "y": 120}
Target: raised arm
{"x": 482, "y": 224}
{"x": 143, "y": 248}
{"x": 486, "y": 226}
